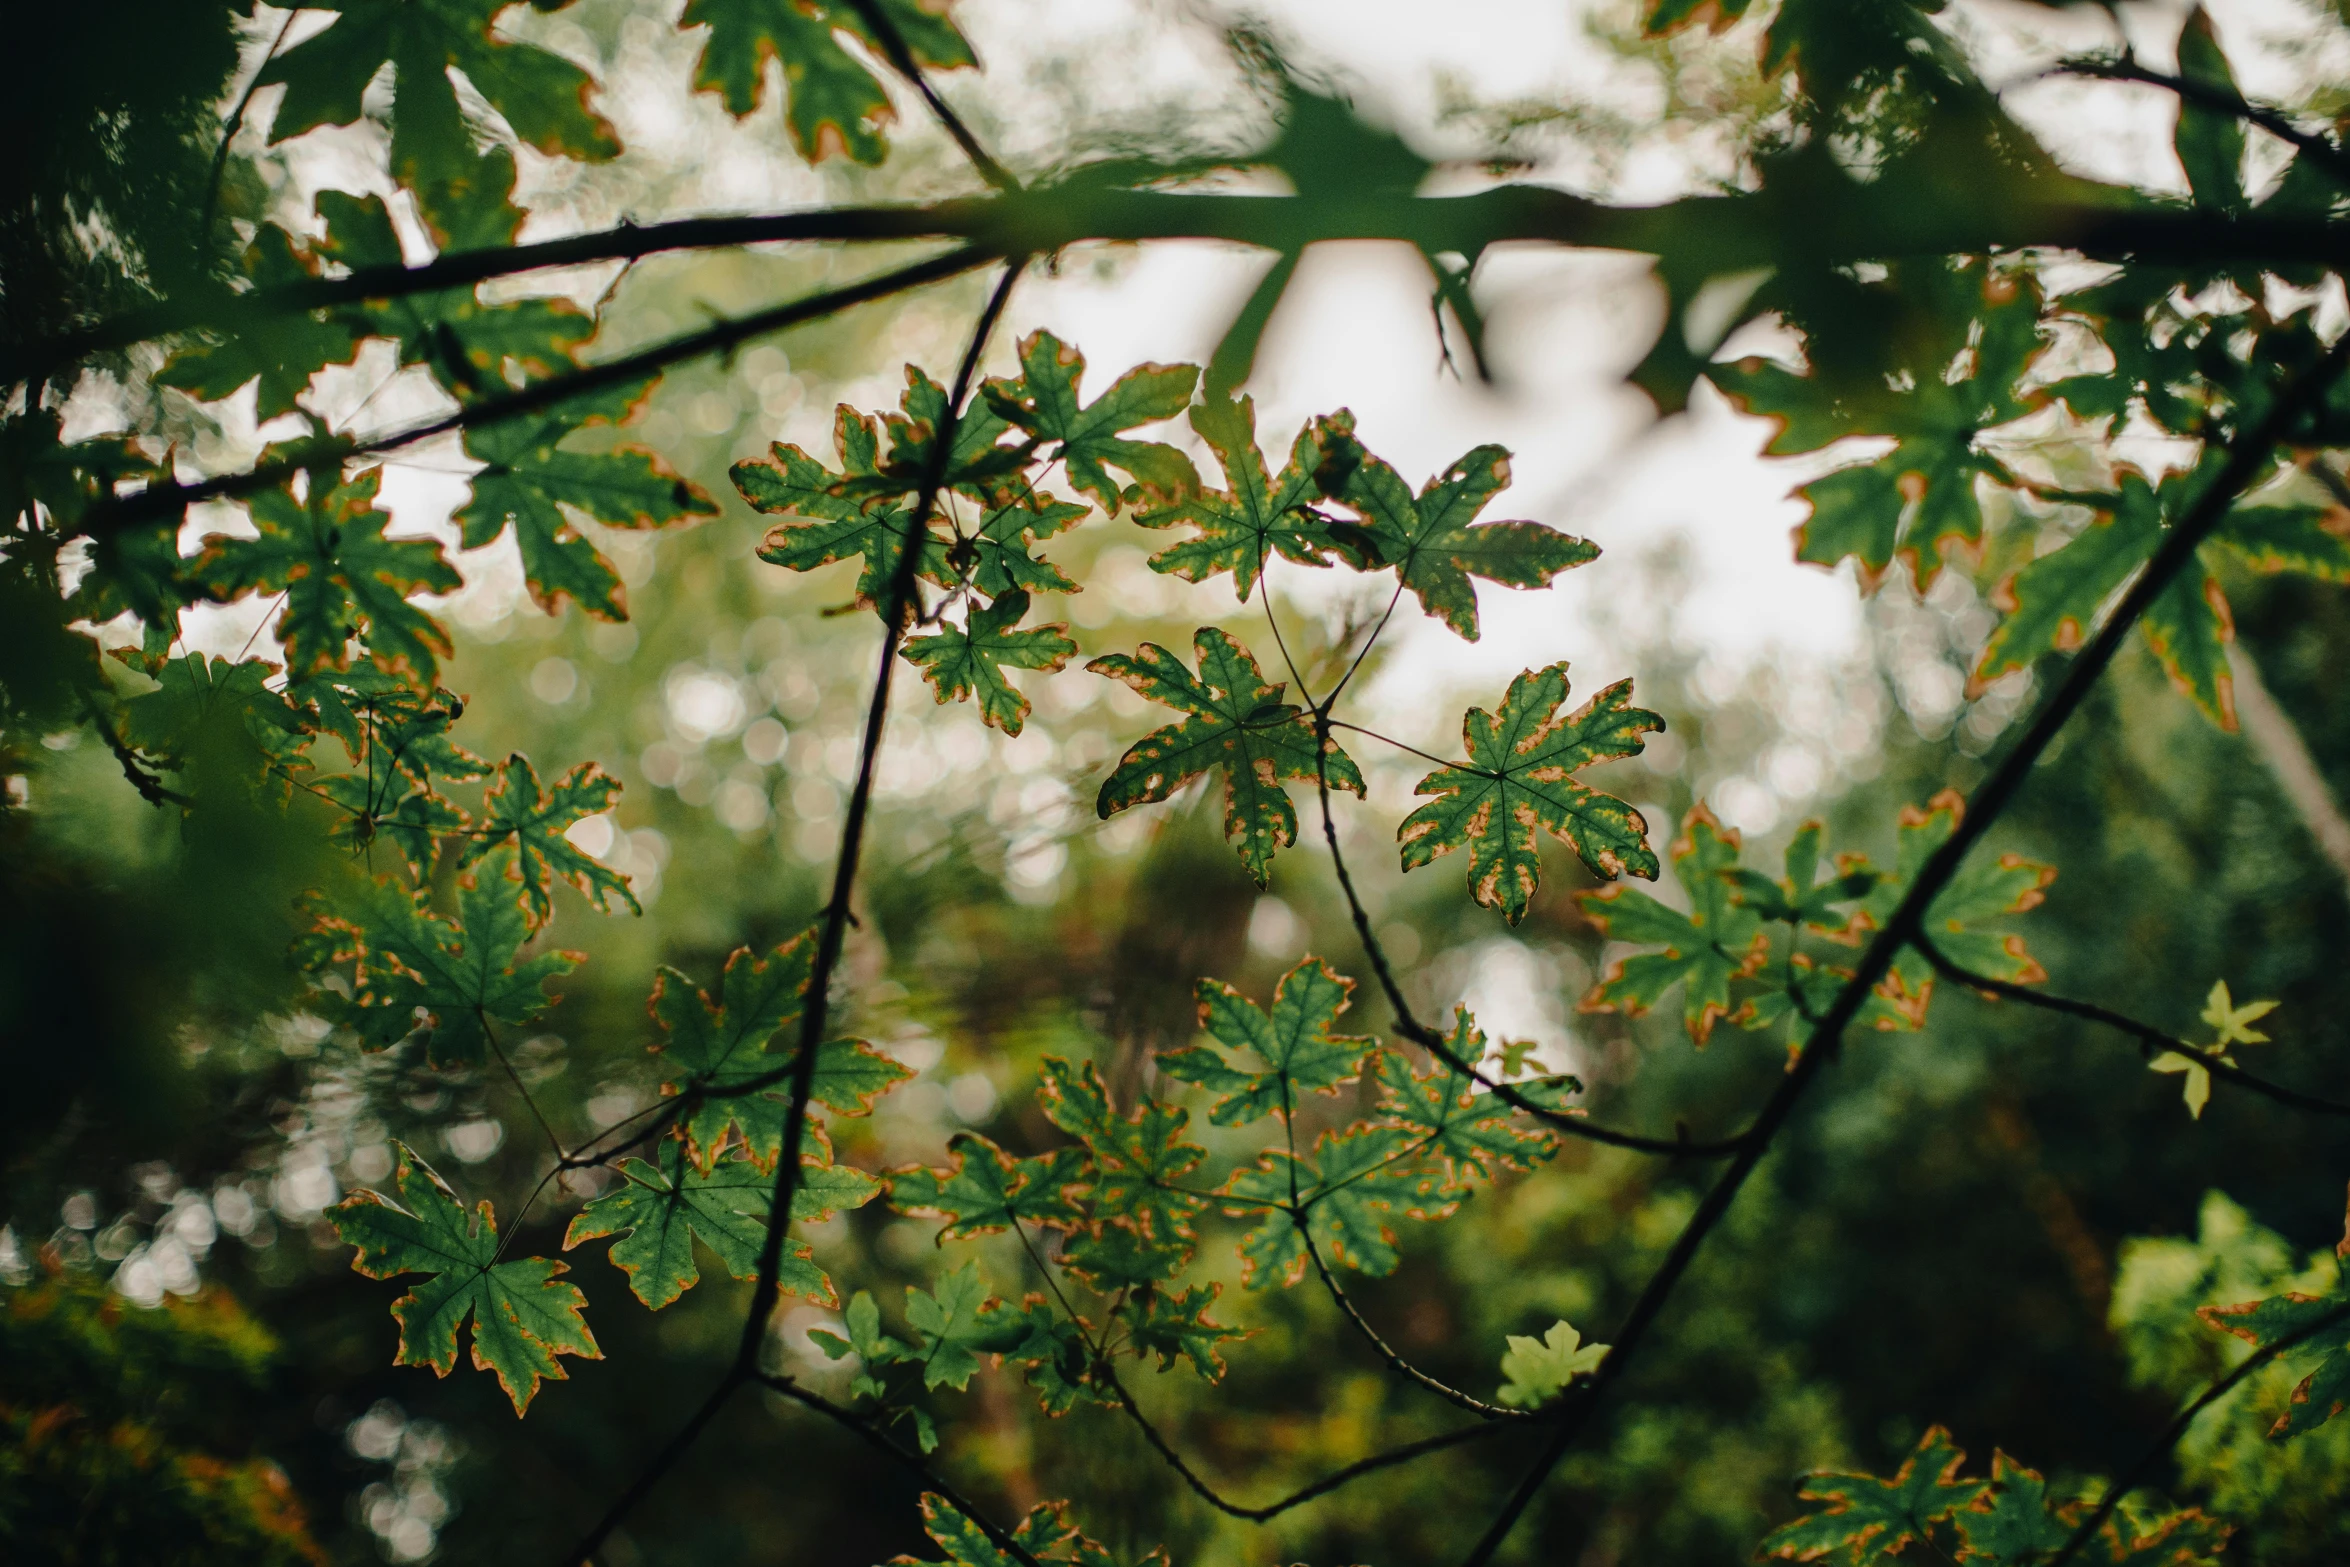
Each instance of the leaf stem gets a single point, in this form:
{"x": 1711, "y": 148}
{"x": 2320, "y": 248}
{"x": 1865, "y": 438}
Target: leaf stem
{"x": 1395, "y": 1362}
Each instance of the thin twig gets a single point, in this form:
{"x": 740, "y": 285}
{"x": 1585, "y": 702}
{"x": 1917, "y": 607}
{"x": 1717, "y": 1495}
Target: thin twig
{"x": 2210, "y": 95}
{"x": 2128, "y": 1481}
{"x": 816, "y": 1008}
{"x": 1395, "y": 1362}
{"x": 901, "y": 55}
{"x": 912, "y": 1463}
{"x": 134, "y": 767}
{"x": 2246, "y": 457}
{"x": 228, "y": 132}
{"x": 2150, "y": 1039}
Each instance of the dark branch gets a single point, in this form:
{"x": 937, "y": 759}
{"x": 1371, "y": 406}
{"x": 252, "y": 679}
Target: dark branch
{"x": 912, "y": 1463}
{"x": 134, "y": 767}
{"x": 161, "y": 501}
{"x": 1395, "y": 1362}
{"x": 2247, "y": 458}
{"x": 1319, "y": 1488}
{"x": 2221, "y": 100}
{"x": 815, "y": 1011}
{"x": 1766, "y": 228}
{"x": 2130, "y": 1477}
{"x": 2150, "y": 1040}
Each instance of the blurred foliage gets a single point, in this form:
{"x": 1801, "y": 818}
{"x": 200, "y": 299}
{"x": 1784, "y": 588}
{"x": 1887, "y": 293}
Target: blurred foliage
{"x": 304, "y": 853}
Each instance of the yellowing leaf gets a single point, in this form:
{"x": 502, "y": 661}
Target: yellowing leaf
{"x": 1536, "y": 1371}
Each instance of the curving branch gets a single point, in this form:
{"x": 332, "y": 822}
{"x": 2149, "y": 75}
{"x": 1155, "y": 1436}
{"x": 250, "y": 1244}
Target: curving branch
{"x": 161, "y": 502}
{"x": 2130, "y": 1477}
{"x": 1395, "y": 1361}
{"x": 1307, "y": 1493}
{"x": 2150, "y": 1039}
{"x": 1409, "y": 1025}
{"x": 815, "y": 1012}
{"x": 2247, "y": 458}
{"x": 912, "y": 1463}
{"x": 2221, "y": 100}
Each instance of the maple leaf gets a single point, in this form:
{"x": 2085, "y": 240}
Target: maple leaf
{"x": 541, "y": 95}
{"x": 1444, "y": 1111}
{"x": 529, "y": 478}
{"x": 718, "y": 1048}
{"x": 976, "y": 465}
{"x": 397, "y": 739}
{"x": 1519, "y": 781}
{"x": 1433, "y": 540}
{"x": 1344, "y": 1194}
{"x": 1174, "y": 1325}
{"x": 1929, "y": 354}
{"x": 988, "y": 1190}
{"x": 994, "y": 556}
{"x": 2325, "y": 1391}
{"x": 340, "y": 575}
{"x": 1960, "y": 921}
{"x": 1803, "y": 897}
{"x": 834, "y": 526}
{"x": 2013, "y": 1519}
{"x": 1868, "y": 1519}
{"x": 1535, "y": 1371}
{"x": 523, "y": 1317}
{"x": 955, "y": 1324}
{"x": 970, "y": 659}
{"x": 1718, "y": 940}
{"x": 1046, "y": 1534}
{"x": 1238, "y": 723}
{"x": 834, "y": 105}
{"x": 517, "y": 812}
{"x": 658, "y": 1210}
{"x": 277, "y": 353}
{"x": 467, "y": 344}
{"x": 1139, "y": 1161}
{"x": 1256, "y": 515}
{"x": 211, "y": 707}
{"x": 459, "y": 978}
{"x": 1301, "y": 1054}
{"x": 2232, "y": 1025}
{"x": 1089, "y": 439}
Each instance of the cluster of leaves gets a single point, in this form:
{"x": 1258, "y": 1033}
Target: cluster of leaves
{"x": 1110, "y": 1223}
{"x": 992, "y": 507}
{"x": 1739, "y": 954}
{"x": 2015, "y": 1516}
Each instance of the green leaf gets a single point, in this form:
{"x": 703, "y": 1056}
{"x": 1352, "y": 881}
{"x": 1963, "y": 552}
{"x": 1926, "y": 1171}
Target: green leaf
{"x": 1470, "y": 1130}
{"x": 1519, "y": 781}
{"x": 1433, "y": 540}
{"x": 1255, "y": 516}
{"x": 280, "y": 351}
{"x": 541, "y": 95}
{"x": 530, "y": 479}
{"x": 522, "y": 1317}
{"x": 954, "y": 1326}
{"x": 2013, "y": 1520}
{"x": 2052, "y": 604}
{"x": 2210, "y": 141}
{"x": 988, "y": 1191}
{"x": 2304, "y": 539}
{"x": 1355, "y": 1180}
{"x": 1720, "y": 939}
{"x": 2189, "y": 628}
{"x": 212, "y": 708}
{"x": 835, "y": 106}
{"x": 341, "y": 578}
{"x": 658, "y": 1210}
{"x": 517, "y": 811}
{"x": 1046, "y": 1534}
{"x": 1140, "y": 1161}
{"x": 1535, "y": 1371}
{"x": 1962, "y": 919}
{"x": 1238, "y": 723}
{"x": 1174, "y": 1326}
{"x": 1866, "y": 1519}
{"x": 2325, "y": 1391}
{"x": 398, "y": 740}
{"x": 719, "y": 1047}
{"x": 1089, "y": 438}
{"x": 458, "y": 979}
{"x": 1301, "y": 1054}
{"x": 834, "y": 526}
{"x": 970, "y": 659}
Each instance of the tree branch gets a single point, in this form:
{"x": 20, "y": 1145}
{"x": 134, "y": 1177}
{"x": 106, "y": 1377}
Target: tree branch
{"x": 2247, "y": 456}
{"x": 815, "y": 1009}
{"x": 893, "y": 44}
{"x": 2150, "y": 1039}
{"x": 1395, "y": 1362}
{"x": 2171, "y": 1433}
{"x": 2209, "y": 95}
{"x": 159, "y": 502}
